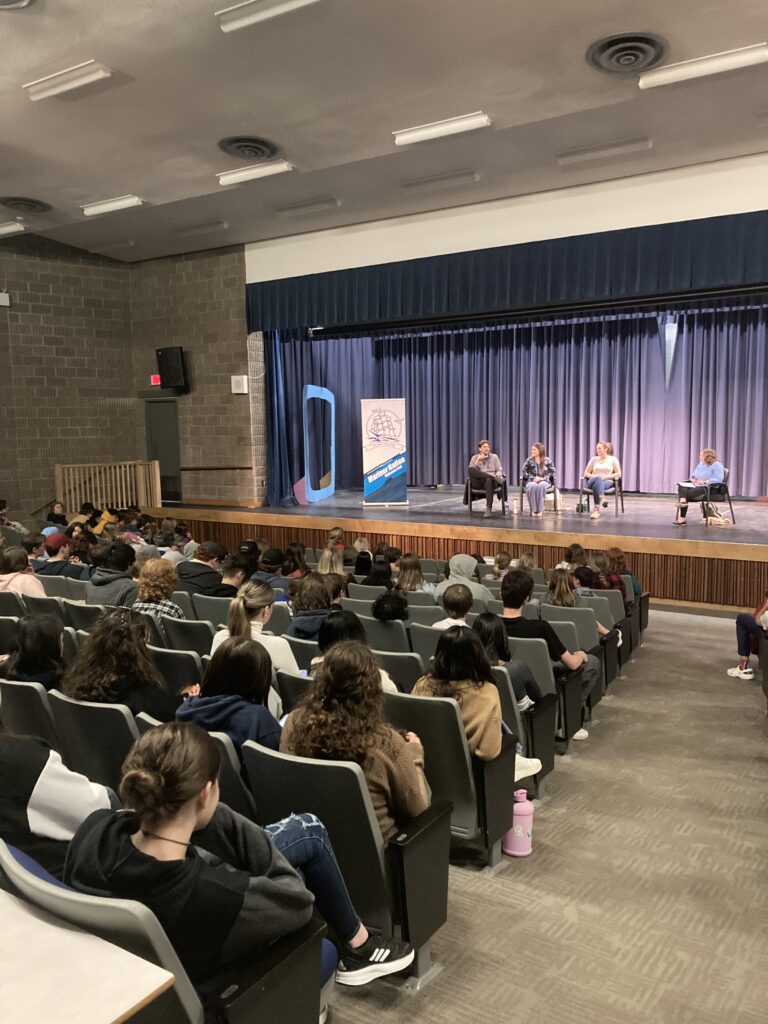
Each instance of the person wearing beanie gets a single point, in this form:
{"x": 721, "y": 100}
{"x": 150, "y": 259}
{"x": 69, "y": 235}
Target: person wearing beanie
{"x": 269, "y": 568}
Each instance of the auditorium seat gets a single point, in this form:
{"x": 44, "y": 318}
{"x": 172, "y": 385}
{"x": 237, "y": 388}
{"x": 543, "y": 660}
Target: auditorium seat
{"x": 303, "y": 651}
{"x": 11, "y": 605}
{"x": 76, "y": 588}
{"x": 566, "y": 631}
{"x": 9, "y": 630}
{"x": 212, "y": 609}
{"x": 145, "y": 722}
{"x": 82, "y": 616}
{"x": 178, "y": 668}
{"x": 589, "y": 639}
{"x": 404, "y": 669}
{"x": 403, "y": 882}
{"x": 475, "y": 493}
{"x": 279, "y": 619}
{"x": 188, "y": 634}
{"x": 96, "y": 737}
{"x": 425, "y": 616}
{"x": 184, "y": 601}
{"x": 420, "y": 598}
{"x": 234, "y": 793}
{"x": 567, "y": 687}
{"x": 56, "y": 586}
{"x": 424, "y": 640}
{"x": 26, "y": 711}
{"x": 386, "y": 636}
{"x": 359, "y": 592}
{"x": 69, "y": 645}
{"x": 350, "y": 604}
{"x": 292, "y": 689}
{"x": 154, "y": 631}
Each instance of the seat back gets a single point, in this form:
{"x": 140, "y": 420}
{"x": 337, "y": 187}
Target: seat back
{"x": 628, "y": 586}
{"x": 509, "y": 713}
{"x": 424, "y": 615}
{"x": 76, "y": 588}
{"x": 484, "y": 569}
{"x": 303, "y": 651}
{"x": 404, "y": 669}
{"x": 583, "y": 619}
{"x": 188, "y": 634}
{"x": 213, "y": 609}
{"x": 566, "y": 630}
{"x": 497, "y": 607}
{"x": 11, "y": 605}
{"x": 82, "y": 616}
{"x": 337, "y": 793}
{"x": 55, "y": 586}
{"x": 538, "y": 576}
{"x": 292, "y": 689}
{"x": 125, "y": 923}
{"x": 447, "y": 762}
{"x": 422, "y": 598}
{"x": 616, "y": 603}
{"x": 26, "y": 711}
{"x": 178, "y": 668}
{"x": 535, "y": 654}
{"x": 429, "y": 565}
{"x": 184, "y": 601}
{"x": 155, "y": 634}
{"x": 424, "y": 640}
{"x": 234, "y": 793}
{"x": 279, "y": 619}
{"x": 145, "y": 722}
{"x": 386, "y": 636}
{"x": 601, "y": 607}
{"x": 359, "y": 592}
{"x": 96, "y": 737}
{"x": 350, "y": 604}
{"x": 9, "y": 630}
{"x": 69, "y": 645}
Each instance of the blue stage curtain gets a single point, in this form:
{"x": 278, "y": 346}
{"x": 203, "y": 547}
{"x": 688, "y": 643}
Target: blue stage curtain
{"x": 700, "y": 255}
{"x": 279, "y": 480}
{"x": 567, "y": 383}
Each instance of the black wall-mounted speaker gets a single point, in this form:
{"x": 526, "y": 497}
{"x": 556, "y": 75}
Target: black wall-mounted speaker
{"x": 170, "y": 366}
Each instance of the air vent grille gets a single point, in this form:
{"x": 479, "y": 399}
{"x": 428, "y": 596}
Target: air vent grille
{"x": 22, "y": 204}
{"x": 627, "y": 54}
{"x": 248, "y": 147}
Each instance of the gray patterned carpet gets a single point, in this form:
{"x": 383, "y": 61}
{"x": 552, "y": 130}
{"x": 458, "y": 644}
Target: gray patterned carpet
{"x": 646, "y": 897}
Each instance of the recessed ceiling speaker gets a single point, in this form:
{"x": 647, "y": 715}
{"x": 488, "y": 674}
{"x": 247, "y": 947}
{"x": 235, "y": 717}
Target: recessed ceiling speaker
{"x": 627, "y": 53}
{"x": 248, "y": 147}
{"x": 22, "y": 204}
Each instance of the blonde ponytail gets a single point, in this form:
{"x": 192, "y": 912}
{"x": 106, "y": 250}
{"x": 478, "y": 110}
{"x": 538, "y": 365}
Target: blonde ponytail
{"x": 251, "y": 599}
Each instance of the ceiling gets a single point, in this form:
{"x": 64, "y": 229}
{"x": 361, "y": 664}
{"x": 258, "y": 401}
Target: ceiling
{"x": 329, "y": 83}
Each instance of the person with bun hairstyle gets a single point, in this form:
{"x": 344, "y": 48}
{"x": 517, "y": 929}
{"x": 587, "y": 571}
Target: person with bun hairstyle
{"x": 342, "y": 719}
{"x": 248, "y": 616}
{"x": 113, "y": 666}
{"x": 234, "y": 696}
{"x": 221, "y": 887}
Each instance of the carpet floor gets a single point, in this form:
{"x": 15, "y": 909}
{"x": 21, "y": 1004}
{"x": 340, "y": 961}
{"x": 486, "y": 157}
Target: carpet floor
{"x": 645, "y": 898}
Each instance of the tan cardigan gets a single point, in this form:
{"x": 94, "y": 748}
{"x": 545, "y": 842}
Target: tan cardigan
{"x": 393, "y": 769}
{"x": 480, "y": 709}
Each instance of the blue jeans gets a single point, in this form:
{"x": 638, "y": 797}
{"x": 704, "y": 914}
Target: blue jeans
{"x": 536, "y": 495}
{"x": 303, "y": 841}
{"x": 746, "y": 627}
{"x": 598, "y": 486}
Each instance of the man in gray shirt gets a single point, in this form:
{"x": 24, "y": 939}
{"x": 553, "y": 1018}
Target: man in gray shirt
{"x": 485, "y": 472}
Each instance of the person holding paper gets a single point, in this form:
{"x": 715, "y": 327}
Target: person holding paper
{"x": 709, "y": 471}
{"x": 485, "y": 471}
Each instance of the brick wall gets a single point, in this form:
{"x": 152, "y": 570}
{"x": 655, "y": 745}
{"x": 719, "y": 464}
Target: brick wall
{"x": 65, "y": 365}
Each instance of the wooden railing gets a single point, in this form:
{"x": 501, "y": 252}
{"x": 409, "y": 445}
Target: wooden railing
{"x": 117, "y": 484}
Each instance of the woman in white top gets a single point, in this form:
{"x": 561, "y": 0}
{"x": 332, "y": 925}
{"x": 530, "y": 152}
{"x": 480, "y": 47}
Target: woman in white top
{"x": 602, "y": 469}
{"x": 248, "y": 615}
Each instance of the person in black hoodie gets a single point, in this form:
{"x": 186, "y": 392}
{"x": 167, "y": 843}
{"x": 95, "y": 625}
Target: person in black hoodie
{"x": 113, "y": 666}
{"x": 311, "y": 608}
{"x": 202, "y": 575}
{"x": 217, "y": 883}
{"x": 37, "y": 658}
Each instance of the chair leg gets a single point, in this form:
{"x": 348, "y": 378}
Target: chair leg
{"x": 730, "y": 506}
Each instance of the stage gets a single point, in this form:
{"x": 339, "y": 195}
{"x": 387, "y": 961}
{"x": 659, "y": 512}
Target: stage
{"x": 721, "y": 566}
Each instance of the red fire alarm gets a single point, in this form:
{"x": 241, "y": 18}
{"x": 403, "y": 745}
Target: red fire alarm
{"x": 154, "y": 379}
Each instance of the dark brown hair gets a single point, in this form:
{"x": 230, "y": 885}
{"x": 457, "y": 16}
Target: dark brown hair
{"x": 240, "y": 667}
{"x": 116, "y": 648}
{"x": 312, "y": 594}
{"x": 167, "y": 767}
{"x": 13, "y": 560}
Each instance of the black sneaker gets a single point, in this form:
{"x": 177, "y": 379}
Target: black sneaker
{"x": 376, "y": 957}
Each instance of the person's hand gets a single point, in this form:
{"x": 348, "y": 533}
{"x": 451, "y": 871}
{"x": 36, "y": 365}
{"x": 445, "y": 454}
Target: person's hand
{"x": 190, "y": 691}
{"x": 538, "y": 479}
{"x": 411, "y": 737}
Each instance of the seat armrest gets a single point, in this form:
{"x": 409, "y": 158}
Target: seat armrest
{"x": 418, "y": 871}
{"x": 495, "y": 784}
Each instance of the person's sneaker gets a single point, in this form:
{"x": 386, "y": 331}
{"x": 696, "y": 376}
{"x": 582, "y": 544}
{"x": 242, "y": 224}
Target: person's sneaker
{"x": 487, "y": 514}
{"x": 376, "y": 957}
{"x": 741, "y": 673}
{"x": 526, "y": 766}
{"x": 621, "y": 638}
{"x": 595, "y": 514}
{"x": 582, "y": 734}
{"x": 323, "y": 1014}
{"x": 524, "y": 703}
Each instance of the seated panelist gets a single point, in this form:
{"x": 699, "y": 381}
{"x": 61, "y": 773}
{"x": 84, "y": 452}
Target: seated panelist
{"x": 485, "y": 472}
{"x": 538, "y": 475}
{"x": 603, "y": 469}
{"x": 709, "y": 472}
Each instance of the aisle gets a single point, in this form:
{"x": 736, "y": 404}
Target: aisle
{"x": 645, "y": 899}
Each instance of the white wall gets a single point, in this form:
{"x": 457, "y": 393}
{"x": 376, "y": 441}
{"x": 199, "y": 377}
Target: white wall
{"x": 689, "y": 193}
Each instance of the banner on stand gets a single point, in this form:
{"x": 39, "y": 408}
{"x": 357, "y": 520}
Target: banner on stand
{"x": 385, "y": 455}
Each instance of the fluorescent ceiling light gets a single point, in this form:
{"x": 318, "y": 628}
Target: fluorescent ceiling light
{"x": 253, "y": 11}
{"x": 202, "y": 229}
{"x": 125, "y": 243}
{"x": 111, "y": 205}
{"x": 450, "y": 180}
{"x": 700, "y": 67}
{"x": 438, "y": 129}
{"x": 310, "y": 206}
{"x": 65, "y": 81}
{"x": 12, "y": 227}
{"x": 586, "y": 153}
{"x": 254, "y": 171}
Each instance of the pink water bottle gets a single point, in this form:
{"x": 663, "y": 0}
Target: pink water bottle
{"x": 518, "y": 842}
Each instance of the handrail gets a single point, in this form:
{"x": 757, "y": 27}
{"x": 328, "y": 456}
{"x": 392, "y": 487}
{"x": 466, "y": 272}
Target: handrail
{"x": 114, "y": 484}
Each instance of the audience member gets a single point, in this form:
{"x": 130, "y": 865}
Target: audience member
{"x": 331, "y": 560}
{"x": 270, "y": 563}
{"x": 56, "y": 515}
{"x": 361, "y": 544}
{"x": 563, "y": 594}
{"x": 234, "y": 696}
{"x": 113, "y": 666}
{"x": 526, "y": 562}
{"x": 493, "y": 636}
{"x": 501, "y": 564}
{"x": 342, "y": 720}
{"x": 248, "y": 615}
{"x": 349, "y": 555}
{"x": 750, "y": 630}
{"x": 336, "y": 537}
{"x": 34, "y": 545}
{"x": 16, "y": 574}
{"x": 311, "y": 608}
{"x": 393, "y": 556}
{"x": 89, "y": 515}
{"x": 380, "y": 575}
{"x": 234, "y": 572}
{"x": 250, "y": 552}
{"x": 410, "y": 578}
{"x": 111, "y": 582}
{"x": 607, "y": 580}
{"x": 618, "y": 564}
{"x": 145, "y": 553}
{"x": 462, "y": 569}
{"x": 294, "y": 565}
{"x": 58, "y": 547}
{"x": 390, "y": 607}
{"x": 457, "y": 602}
{"x": 202, "y": 574}
{"x": 363, "y": 563}
{"x": 337, "y": 586}
{"x": 219, "y": 884}
{"x": 37, "y": 657}
{"x": 338, "y": 627}
{"x": 157, "y": 581}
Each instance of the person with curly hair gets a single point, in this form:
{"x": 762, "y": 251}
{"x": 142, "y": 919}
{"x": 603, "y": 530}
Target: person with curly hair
{"x": 342, "y": 719}
{"x": 157, "y": 581}
{"x": 113, "y": 666}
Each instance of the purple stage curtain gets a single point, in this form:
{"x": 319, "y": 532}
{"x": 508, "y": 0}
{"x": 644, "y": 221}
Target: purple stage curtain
{"x": 567, "y": 383}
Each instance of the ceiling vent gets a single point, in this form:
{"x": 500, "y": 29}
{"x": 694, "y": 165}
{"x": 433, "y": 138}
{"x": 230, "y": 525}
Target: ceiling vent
{"x": 628, "y": 53}
{"x": 21, "y": 204}
{"x": 248, "y": 147}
